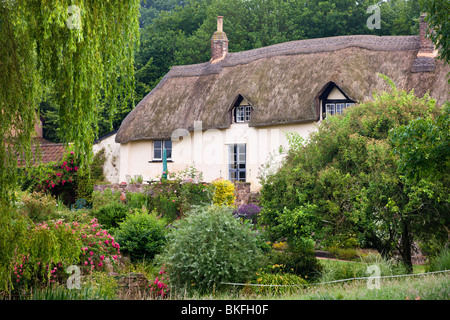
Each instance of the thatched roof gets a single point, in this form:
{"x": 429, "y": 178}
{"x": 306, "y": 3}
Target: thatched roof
{"x": 281, "y": 82}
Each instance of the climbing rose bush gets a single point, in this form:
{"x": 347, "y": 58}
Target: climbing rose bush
{"x": 98, "y": 247}
{"x": 54, "y": 245}
{"x": 159, "y": 286}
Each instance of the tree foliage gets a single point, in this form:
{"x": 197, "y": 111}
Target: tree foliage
{"x": 81, "y": 52}
{"x": 439, "y": 23}
{"x": 175, "y": 32}
{"x": 348, "y": 184}
{"x": 180, "y": 33}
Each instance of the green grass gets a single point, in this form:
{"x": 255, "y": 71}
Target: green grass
{"x": 423, "y": 287}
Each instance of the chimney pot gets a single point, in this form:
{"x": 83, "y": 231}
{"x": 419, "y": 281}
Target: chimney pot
{"x": 219, "y": 24}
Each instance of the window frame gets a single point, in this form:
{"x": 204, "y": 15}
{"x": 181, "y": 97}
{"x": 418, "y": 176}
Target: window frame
{"x": 237, "y": 166}
{"x": 242, "y": 113}
{"x": 342, "y": 103}
{"x": 161, "y": 149}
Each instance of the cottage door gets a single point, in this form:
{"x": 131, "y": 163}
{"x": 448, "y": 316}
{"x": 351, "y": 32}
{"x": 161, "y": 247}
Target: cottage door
{"x": 237, "y": 160}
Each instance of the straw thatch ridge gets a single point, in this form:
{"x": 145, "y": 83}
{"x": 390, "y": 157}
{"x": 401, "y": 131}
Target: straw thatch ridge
{"x": 281, "y": 82}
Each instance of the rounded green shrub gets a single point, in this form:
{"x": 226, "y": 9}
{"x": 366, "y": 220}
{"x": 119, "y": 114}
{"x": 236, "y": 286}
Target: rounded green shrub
{"x": 141, "y": 235}
{"x": 110, "y": 215}
{"x": 209, "y": 246}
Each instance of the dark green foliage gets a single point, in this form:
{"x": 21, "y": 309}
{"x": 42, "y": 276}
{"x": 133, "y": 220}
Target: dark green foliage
{"x": 111, "y": 215}
{"x": 136, "y": 200}
{"x": 346, "y": 178}
{"x": 194, "y": 194}
{"x": 298, "y": 259}
{"x": 164, "y": 198}
{"x": 440, "y": 262}
{"x": 437, "y": 17}
{"x": 141, "y": 235}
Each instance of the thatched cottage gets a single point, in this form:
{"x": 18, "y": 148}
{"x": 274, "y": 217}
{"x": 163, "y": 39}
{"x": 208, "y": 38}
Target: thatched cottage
{"x": 226, "y": 116}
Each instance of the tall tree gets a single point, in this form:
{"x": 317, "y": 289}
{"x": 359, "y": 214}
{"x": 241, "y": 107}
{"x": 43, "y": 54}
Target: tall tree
{"x": 82, "y": 50}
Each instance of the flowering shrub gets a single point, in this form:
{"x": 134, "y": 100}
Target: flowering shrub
{"x": 110, "y": 215}
{"x": 159, "y": 286}
{"x": 48, "y": 247}
{"x": 98, "y": 247}
{"x": 57, "y": 178}
{"x": 248, "y": 211}
{"x": 52, "y": 246}
{"x": 224, "y": 192}
{"x": 106, "y": 197}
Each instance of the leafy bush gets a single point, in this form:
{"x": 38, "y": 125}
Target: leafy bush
{"x": 136, "y": 200}
{"x": 275, "y": 280}
{"x": 194, "y": 194}
{"x": 440, "y": 262}
{"x": 110, "y": 215}
{"x": 224, "y": 192}
{"x": 141, "y": 234}
{"x": 210, "y": 246}
{"x": 343, "y": 253}
{"x": 164, "y": 198}
{"x": 38, "y": 206}
{"x": 102, "y": 198}
{"x": 298, "y": 258}
{"x": 347, "y": 178}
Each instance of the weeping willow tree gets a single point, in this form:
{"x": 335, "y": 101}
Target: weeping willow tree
{"x": 80, "y": 50}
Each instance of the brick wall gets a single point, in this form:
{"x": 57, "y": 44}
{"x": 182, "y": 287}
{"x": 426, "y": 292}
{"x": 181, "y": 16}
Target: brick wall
{"x": 426, "y": 45}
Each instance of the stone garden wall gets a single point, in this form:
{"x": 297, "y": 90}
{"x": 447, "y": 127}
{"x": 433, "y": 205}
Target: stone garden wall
{"x": 243, "y": 194}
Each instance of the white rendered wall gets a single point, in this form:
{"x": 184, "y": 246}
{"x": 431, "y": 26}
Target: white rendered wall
{"x": 112, "y": 153}
{"x": 207, "y": 151}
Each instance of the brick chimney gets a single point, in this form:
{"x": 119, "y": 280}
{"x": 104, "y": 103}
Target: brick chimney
{"x": 425, "y": 59}
{"x": 219, "y": 42}
{"x": 426, "y": 45}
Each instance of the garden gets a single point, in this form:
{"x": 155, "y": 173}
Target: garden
{"x": 367, "y": 195}
{"x": 189, "y": 241}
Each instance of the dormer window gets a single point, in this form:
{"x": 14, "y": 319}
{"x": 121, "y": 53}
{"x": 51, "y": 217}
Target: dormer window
{"x": 242, "y": 113}
{"x": 336, "y": 108}
{"x": 241, "y": 110}
{"x": 334, "y": 100}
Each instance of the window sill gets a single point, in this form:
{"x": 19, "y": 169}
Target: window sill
{"x": 156, "y": 161}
